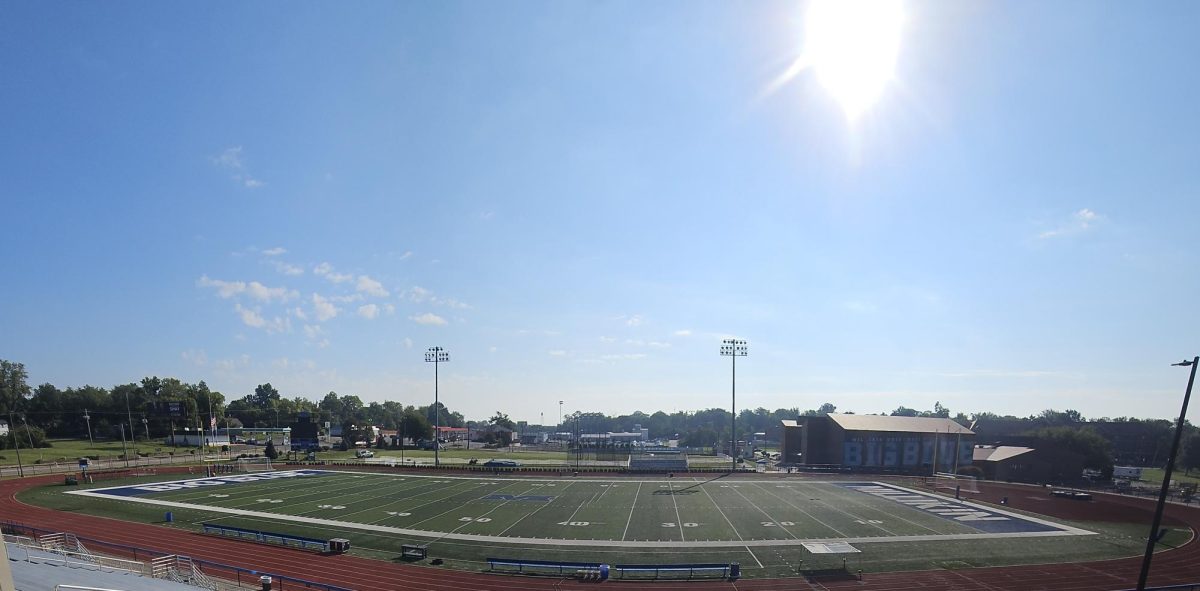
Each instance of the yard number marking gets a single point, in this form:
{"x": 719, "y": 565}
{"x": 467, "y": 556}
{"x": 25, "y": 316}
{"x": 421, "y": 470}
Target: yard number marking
{"x": 673, "y": 524}
{"x": 575, "y": 523}
{"x": 783, "y": 523}
{"x": 328, "y": 506}
{"x": 398, "y": 513}
{"x": 268, "y": 500}
{"x": 479, "y": 519}
{"x": 864, "y": 522}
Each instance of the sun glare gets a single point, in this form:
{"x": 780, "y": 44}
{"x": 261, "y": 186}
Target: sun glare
{"x": 852, "y": 45}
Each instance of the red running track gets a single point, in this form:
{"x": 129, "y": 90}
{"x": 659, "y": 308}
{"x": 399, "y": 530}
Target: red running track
{"x": 1178, "y": 566}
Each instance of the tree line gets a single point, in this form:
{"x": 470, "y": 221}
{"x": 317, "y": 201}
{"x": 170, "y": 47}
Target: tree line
{"x": 46, "y": 410}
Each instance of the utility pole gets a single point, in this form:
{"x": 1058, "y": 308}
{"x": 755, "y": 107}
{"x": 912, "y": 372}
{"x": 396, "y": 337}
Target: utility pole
{"x": 12, "y": 428}
{"x": 125, "y": 449}
{"x": 87, "y": 418}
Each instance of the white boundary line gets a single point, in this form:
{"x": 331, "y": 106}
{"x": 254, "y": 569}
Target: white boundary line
{"x": 1061, "y": 531}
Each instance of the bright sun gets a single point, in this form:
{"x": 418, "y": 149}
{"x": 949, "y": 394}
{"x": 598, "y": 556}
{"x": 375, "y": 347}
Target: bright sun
{"x": 852, "y": 45}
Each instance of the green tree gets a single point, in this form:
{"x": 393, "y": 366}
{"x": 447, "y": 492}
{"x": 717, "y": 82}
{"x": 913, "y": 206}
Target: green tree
{"x": 1096, "y": 450}
{"x": 904, "y": 411}
{"x": 1190, "y": 458}
{"x": 270, "y": 451}
{"x": 265, "y": 396}
{"x": 14, "y": 391}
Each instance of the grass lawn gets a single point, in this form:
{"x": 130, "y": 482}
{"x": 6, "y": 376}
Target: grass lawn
{"x": 457, "y": 454}
{"x": 1155, "y": 475}
{"x": 379, "y": 512}
{"x": 70, "y": 450}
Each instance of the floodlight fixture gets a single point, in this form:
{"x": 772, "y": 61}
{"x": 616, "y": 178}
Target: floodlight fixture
{"x": 436, "y": 356}
{"x": 1152, "y": 540}
{"x": 733, "y": 348}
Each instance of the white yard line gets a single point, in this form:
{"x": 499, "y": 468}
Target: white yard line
{"x": 814, "y": 518}
{"x": 454, "y": 507}
{"x": 714, "y": 502}
{"x": 760, "y": 509}
{"x": 889, "y": 514}
{"x": 809, "y": 515}
{"x": 760, "y": 564}
{"x": 544, "y": 505}
{"x": 678, "y": 521}
{"x": 631, "y": 507}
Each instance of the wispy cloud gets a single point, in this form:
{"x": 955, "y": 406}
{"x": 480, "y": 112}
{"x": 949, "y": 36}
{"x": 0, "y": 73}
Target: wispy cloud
{"x": 196, "y": 357}
{"x": 635, "y": 320}
{"x": 368, "y": 311}
{"x": 371, "y": 287}
{"x": 1079, "y": 222}
{"x": 231, "y": 159}
{"x": 683, "y": 333}
{"x": 253, "y": 318}
{"x": 557, "y": 353}
{"x": 253, "y": 289}
{"x": 428, "y": 319}
{"x": 407, "y": 254}
{"x": 288, "y": 269}
{"x": 324, "y": 308}
{"x": 326, "y": 270}
{"x": 316, "y": 335}
{"x": 274, "y": 252}
{"x": 420, "y": 295}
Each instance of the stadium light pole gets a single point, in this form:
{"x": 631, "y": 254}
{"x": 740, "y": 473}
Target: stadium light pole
{"x": 436, "y": 355}
{"x": 1166, "y": 483}
{"x": 733, "y": 348}
{"x": 12, "y": 428}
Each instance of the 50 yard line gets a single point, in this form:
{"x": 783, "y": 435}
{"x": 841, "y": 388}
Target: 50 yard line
{"x": 630, "y": 520}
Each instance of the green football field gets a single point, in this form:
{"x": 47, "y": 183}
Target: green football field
{"x": 759, "y": 522}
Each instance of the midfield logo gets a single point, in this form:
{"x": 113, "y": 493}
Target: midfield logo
{"x": 169, "y": 486}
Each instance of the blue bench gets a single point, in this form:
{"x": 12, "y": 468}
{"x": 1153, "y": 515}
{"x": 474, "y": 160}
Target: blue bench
{"x": 676, "y": 571}
{"x": 266, "y": 537}
{"x": 549, "y": 567}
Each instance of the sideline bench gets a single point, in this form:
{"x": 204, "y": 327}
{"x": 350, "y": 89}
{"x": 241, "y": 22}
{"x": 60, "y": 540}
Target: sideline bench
{"x": 266, "y": 537}
{"x": 583, "y": 570}
{"x": 675, "y": 571}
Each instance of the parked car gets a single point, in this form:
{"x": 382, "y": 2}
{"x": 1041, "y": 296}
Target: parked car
{"x": 364, "y": 453}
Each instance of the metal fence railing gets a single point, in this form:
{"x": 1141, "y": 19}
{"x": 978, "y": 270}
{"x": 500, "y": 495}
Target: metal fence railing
{"x": 217, "y": 570}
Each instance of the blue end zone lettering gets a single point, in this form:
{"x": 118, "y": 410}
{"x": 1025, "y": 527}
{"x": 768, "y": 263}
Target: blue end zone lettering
{"x": 145, "y": 489}
{"x": 531, "y": 498}
{"x": 972, "y": 515}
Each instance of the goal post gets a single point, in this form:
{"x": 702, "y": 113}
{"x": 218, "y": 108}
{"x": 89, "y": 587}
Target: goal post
{"x": 958, "y": 482}
{"x": 262, "y": 464}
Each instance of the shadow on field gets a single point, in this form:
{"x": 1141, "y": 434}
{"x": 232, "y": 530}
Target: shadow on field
{"x": 687, "y": 490}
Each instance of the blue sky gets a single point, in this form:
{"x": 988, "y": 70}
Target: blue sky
{"x": 579, "y": 200}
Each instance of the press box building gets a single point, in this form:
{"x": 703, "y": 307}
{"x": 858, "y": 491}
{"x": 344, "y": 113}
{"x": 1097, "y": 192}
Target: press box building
{"x": 877, "y": 443}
